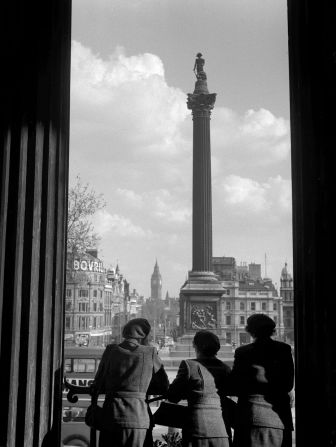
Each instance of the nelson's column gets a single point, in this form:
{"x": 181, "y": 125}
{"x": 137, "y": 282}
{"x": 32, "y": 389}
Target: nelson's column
{"x": 200, "y": 296}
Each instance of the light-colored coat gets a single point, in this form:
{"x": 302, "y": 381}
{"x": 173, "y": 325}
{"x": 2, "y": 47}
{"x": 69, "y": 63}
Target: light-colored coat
{"x": 195, "y": 383}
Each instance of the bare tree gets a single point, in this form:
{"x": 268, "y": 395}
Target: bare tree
{"x": 83, "y": 203}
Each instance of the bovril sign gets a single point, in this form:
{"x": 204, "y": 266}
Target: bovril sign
{"x": 86, "y": 265}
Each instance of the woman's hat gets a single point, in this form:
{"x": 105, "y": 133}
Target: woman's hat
{"x": 260, "y": 325}
{"x": 136, "y": 328}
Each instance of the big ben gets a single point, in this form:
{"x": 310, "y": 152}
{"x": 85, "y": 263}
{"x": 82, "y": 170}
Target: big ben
{"x": 156, "y": 283}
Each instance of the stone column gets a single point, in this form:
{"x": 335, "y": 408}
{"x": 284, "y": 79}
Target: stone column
{"x": 201, "y": 294}
{"x": 201, "y": 102}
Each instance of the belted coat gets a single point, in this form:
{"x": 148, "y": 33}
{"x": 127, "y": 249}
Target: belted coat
{"x": 262, "y": 377}
{"x": 126, "y": 373}
{"x": 195, "y": 382}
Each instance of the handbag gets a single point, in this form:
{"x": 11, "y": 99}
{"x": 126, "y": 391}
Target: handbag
{"x": 96, "y": 416}
{"x": 229, "y": 408}
{"x": 171, "y": 415}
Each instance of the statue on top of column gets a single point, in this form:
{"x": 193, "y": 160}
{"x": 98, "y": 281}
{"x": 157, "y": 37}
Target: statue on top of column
{"x": 198, "y": 67}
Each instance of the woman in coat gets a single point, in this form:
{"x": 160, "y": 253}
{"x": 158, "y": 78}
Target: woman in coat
{"x": 262, "y": 377}
{"x": 126, "y": 373}
{"x": 202, "y": 381}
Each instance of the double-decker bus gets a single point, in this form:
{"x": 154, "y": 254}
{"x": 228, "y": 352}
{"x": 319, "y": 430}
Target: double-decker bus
{"x": 80, "y": 366}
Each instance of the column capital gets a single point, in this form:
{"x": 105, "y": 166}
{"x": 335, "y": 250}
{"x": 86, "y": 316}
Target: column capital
{"x": 201, "y": 101}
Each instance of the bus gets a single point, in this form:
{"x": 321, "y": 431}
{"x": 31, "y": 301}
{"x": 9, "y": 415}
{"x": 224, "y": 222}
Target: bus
{"x": 80, "y": 367}
{"x": 81, "y": 364}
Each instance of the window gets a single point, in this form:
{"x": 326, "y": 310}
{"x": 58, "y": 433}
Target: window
{"x": 242, "y": 305}
{"x": 274, "y": 306}
{"x": 95, "y": 293}
{"x": 83, "y": 307}
{"x": 68, "y": 293}
{"x": 83, "y": 293}
{"x": 228, "y": 305}
{"x": 95, "y": 306}
{"x": 263, "y": 306}
{"x": 228, "y": 292}
{"x": 242, "y": 320}
{"x": 253, "y": 306}
{"x": 228, "y": 320}
{"x": 94, "y": 322}
{"x": 83, "y": 365}
{"x": 101, "y": 307}
{"x": 68, "y": 305}
{"x": 228, "y": 338}
{"x": 67, "y": 323}
{"x": 275, "y": 319}
{"x": 68, "y": 365}
{"x": 83, "y": 323}
{"x": 243, "y": 339}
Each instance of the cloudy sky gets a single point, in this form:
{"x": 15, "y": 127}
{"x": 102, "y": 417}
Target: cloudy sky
{"x": 131, "y": 131}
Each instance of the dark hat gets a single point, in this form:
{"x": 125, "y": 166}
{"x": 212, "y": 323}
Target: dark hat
{"x": 207, "y": 342}
{"x": 136, "y": 328}
{"x": 260, "y": 325}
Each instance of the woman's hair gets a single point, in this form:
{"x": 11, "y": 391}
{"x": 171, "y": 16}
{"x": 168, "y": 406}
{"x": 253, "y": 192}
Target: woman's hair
{"x": 260, "y": 326}
{"x": 206, "y": 343}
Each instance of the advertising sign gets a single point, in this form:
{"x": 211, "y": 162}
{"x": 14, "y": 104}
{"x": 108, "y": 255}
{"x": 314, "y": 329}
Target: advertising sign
{"x": 85, "y": 265}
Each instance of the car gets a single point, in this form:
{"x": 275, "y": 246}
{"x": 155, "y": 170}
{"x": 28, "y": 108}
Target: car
{"x": 74, "y": 430}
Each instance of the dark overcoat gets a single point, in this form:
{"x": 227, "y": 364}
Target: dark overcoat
{"x": 195, "y": 382}
{"x": 262, "y": 377}
{"x": 125, "y": 374}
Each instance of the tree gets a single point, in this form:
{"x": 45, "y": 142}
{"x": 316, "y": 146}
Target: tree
{"x": 83, "y": 203}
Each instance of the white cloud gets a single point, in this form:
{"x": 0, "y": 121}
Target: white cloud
{"x": 131, "y": 197}
{"x": 247, "y": 195}
{"x": 168, "y": 207}
{"x": 127, "y": 101}
{"x": 244, "y": 192}
{"x": 257, "y": 138}
{"x": 112, "y": 224}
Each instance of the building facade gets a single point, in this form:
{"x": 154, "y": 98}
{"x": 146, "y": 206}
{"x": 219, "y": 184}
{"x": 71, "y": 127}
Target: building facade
{"x": 245, "y": 293}
{"x": 287, "y": 295}
{"x": 97, "y": 302}
{"x": 244, "y": 298}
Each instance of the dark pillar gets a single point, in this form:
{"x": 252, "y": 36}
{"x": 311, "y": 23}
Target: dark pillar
{"x": 201, "y": 294}
{"x": 34, "y": 134}
{"x": 312, "y": 58}
{"x": 201, "y": 102}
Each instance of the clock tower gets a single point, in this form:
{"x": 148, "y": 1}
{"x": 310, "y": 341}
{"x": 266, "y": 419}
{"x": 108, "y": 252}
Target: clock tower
{"x": 156, "y": 283}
